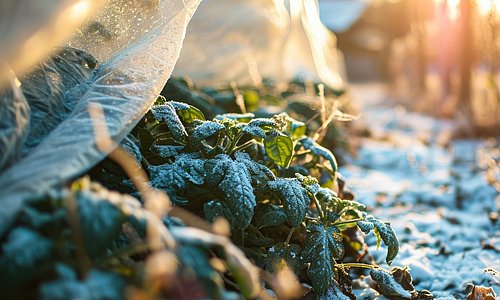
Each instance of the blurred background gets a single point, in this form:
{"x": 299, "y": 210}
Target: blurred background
{"x": 436, "y": 56}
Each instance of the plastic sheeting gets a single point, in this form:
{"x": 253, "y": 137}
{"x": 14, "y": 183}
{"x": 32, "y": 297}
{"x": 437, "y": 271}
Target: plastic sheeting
{"x": 126, "y": 54}
{"x": 253, "y": 39}
{"x": 29, "y": 29}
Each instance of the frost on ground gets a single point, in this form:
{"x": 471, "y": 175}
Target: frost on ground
{"x": 435, "y": 194}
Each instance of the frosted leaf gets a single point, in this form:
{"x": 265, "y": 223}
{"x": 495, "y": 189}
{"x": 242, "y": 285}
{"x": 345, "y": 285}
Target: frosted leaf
{"x": 387, "y": 285}
{"x": 254, "y": 131}
{"x": 386, "y": 234}
{"x": 21, "y": 254}
{"x": 194, "y": 168}
{"x": 254, "y": 167}
{"x": 236, "y": 117}
{"x": 130, "y": 143}
{"x": 186, "y": 112}
{"x": 309, "y": 144}
{"x": 167, "y": 150}
{"x": 97, "y": 285}
{"x": 203, "y": 131}
{"x": 366, "y": 226}
{"x": 173, "y": 177}
{"x": 317, "y": 253}
{"x": 235, "y": 183}
{"x": 212, "y": 210}
{"x": 216, "y": 169}
{"x": 100, "y": 220}
{"x": 271, "y": 215}
{"x": 333, "y": 293}
{"x": 237, "y": 190}
{"x": 166, "y": 113}
{"x": 335, "y": 242}
{"x": 325, "y": 195}
{"x": 294, "y": 197}
{"x": 266, "y": 124}
{"x": 309, "y": 183}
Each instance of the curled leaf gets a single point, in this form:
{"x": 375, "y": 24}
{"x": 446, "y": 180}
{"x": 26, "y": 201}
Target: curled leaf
{"x": 387, "y": 285}
{"x": 166, "y": 113}
{"x": 203, "y": 131}
{"x": 309, "y": 144}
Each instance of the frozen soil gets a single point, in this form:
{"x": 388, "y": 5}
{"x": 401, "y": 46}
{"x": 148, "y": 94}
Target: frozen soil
{"x": 435, "y": 194}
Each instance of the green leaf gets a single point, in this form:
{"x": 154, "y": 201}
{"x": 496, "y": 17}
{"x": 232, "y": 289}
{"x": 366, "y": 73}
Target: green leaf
{"x": 279, "y": 148}
{"x": 385, "y": 232}
{"x": 166, "y": 113}
{"x": 297, "y": 129}
{"x": 387, "y": 285}
{"x": 187, "y": 113}
{"x": 294, "y": 197}
{"x": 251, "y": 100}
{"x": 317, "y": 253}
{"x": 270, "y": 215}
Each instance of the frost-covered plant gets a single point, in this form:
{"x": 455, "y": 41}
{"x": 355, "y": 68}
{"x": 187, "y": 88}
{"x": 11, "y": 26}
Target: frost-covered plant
{"x": 272, "y": 182}
{"x": 277, "y": 188}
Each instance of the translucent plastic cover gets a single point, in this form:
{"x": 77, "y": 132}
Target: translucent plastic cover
{"x": 119, "y": 61}
{"x": 253, "y": 39}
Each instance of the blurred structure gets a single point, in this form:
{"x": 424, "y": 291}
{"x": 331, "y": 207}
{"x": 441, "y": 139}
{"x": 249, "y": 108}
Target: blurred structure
{"x": 439, "y": 56}
{"x": 247, "y": 40}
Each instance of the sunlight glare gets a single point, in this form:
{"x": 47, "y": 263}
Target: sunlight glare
{"x": 485, "y": 6}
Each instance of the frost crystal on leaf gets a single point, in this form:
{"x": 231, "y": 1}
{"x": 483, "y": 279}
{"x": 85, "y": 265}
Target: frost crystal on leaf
{"x": 294, "y": 197}
{"x": 385, "y": 232}
{"x": 167, "y": 114}
{"x": 387, "y": 285}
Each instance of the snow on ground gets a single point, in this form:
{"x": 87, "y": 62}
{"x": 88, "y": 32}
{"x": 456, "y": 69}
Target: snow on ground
{"x": 434, "y": 193}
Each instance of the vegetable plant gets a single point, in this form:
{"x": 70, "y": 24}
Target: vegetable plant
{"x": 277, "y": 188}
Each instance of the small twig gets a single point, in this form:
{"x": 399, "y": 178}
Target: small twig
{"x": 239, "y": 97}
{"x": 289, "y": 237}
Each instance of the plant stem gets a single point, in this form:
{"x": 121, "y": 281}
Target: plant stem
{"x": 243, "y": 146}
{"x": 347, "y": 221}
{"x": 356, "y": 265}
{"x": 289, "y": 237}
{"x": 320, "y": 209}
